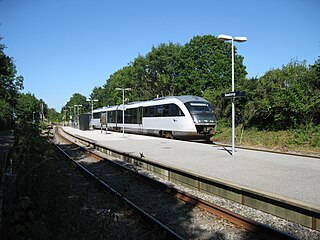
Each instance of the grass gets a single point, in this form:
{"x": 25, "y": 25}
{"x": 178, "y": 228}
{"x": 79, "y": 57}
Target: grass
{"x": 303, "y": 140}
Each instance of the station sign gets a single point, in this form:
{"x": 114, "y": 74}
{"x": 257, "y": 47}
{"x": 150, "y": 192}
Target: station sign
{"x": 235, "y": 94}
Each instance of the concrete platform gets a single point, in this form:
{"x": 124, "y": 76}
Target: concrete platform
{"x": 293, "y": 177}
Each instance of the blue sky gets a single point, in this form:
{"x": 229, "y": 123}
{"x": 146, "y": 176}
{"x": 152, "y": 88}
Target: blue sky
{"x": 62, "y": 47}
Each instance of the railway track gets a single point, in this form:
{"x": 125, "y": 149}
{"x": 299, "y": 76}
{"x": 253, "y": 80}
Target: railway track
{"x": 178, "y": 214}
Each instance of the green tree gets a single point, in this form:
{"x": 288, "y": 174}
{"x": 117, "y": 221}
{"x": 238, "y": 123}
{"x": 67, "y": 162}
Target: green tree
{"x": 6, "y": 114}
{"x": 10, "y": 85}
{"x": 120, "y": 79}
{"x": 142, "y": 83}
{"x": 28, "y": 107}
{"x": 206, "y": 63}
{"x": 201, "y": 67}
{"x": 286, "y": 98}
{"x": 76, "y": 99}
{"x": 54, "y": 116}
{"x": 314, "y": 89}
{"x": 163, "y": 68}
{"x": 206, "y": 71}
{"x": 99, "y": 93}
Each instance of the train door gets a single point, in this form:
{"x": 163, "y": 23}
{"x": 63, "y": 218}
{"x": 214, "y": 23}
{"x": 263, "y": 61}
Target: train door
{"x": 117, "y": 117}
{"x": 139, "y": 119}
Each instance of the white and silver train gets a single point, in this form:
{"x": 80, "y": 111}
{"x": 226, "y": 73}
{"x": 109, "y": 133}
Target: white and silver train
{"x": 187, "y": 117}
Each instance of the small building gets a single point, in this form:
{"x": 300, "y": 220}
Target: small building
{"x": 84, "y": 121}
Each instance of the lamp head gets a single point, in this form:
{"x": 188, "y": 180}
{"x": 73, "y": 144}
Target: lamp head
{"x": 240, "y": 39}
{"x": 224, "y": 37}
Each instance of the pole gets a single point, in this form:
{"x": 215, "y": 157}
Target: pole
{"x": 123, "y": 89}
{"x": 78, "y": 121}
{"x": 70, "y": 117}
{"x": 75, "y": 116}
{"x": 233, "y": 102}
{"x": 91, "y": 100}
{"x": 64, "y": 117}
{"x": 92, "y": 110}
{"x": 123, "y": 112}
{"x": 237, "y": 39}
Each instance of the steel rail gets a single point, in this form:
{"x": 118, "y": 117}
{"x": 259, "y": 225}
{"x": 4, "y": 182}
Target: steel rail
{"x": 146, "y": 216}
{"x": 307, "y": 215}
{"x": 260, "y": 229}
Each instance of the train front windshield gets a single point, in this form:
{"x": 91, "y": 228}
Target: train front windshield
{"x": 201, "y": 112}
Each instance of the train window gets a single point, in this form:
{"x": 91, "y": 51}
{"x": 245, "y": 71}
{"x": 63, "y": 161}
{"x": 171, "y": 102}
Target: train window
{"x": 160, "y": 111}
{"x": 112, "y": 116}
{"x": 174, "y": 110}
{"x": 199, "y": 107}
{"x": 127, "y": 116}
{"x": 139, "y": 115}
{"x": 97, "y": 115}
{"x": 166, "y": 110}
{"x": 119, "y": 116}
{"x": 135, "y": 115}
{"x": 150, "y": 111}
{"x": 132, "y": 116}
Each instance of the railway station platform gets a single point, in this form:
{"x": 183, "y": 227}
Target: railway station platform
{"x": 293, "y": 177}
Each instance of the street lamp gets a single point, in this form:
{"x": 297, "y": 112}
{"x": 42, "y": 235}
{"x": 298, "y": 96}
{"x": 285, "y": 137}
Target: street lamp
{"x": 233, "y": 39}
{"x": 123, "y": 89}
{"x": 78, "y": 121}
{"x": 70, "y": 117}
{"x": 76, "y": 115}
{"x": 64, "y": 117}
{"x": 92, "y": 100}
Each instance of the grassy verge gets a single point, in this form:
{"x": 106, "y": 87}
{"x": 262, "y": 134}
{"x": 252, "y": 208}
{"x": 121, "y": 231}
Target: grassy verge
{"x": 303, "y": 140}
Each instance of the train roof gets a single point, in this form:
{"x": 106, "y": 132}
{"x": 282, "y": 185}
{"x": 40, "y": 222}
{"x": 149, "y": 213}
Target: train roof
{"x": 183, "y": 99}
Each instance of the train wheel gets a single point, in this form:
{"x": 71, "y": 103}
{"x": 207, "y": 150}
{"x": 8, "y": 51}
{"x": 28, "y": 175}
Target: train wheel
{"x": 167, "y": 135}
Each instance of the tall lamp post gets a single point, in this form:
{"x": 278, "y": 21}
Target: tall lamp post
{"x": 233, "y": 39}
{"x": 79, "y": 106}
{"x": 123, "y": 89}
{"x": 92, "y": 100}
{"x": 70, "y": 117}
{"x": 76, "y": 114}
{"x": 64, "y": 117}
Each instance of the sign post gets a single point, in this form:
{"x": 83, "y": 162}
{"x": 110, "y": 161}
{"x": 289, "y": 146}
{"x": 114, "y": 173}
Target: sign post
{"x": 233, "y": 95}
{"x": 236, "y": 94}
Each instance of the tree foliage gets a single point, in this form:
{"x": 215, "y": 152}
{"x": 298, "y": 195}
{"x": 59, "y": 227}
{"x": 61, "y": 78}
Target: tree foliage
{"x": 200, "y": 67}
{"x": 29, "y": 108}
{"x": 54, "y": 116}
{"x": 282, "y": 98}
{"x": 72, "y": 106}
{"x": 10, "y": 85}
